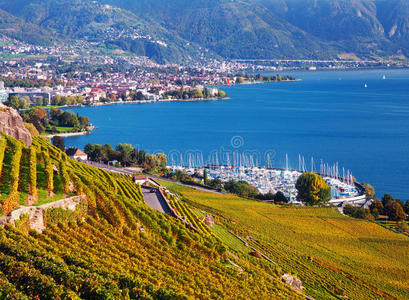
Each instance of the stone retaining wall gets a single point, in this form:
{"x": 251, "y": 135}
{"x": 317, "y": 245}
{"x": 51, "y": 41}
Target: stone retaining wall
{"x": 36, "y": 213}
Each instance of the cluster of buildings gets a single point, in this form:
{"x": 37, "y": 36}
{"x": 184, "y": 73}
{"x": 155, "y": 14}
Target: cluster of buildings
{"x": 104, "y": 86}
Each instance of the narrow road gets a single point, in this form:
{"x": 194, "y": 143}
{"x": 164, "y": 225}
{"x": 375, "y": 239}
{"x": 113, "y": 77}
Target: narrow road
{"x": 109, "y": 168}
{"x": 155, "y": 200}
{"x": 129, "y": 172}
{"x": 199, "y": 188}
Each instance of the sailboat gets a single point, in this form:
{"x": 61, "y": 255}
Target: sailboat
{"x": 365, "y": 85}
{"x": 384, "y": 77}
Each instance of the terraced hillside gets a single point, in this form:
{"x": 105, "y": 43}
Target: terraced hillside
{"x": 114, "y": 246}
{"x": 334, "y": 255}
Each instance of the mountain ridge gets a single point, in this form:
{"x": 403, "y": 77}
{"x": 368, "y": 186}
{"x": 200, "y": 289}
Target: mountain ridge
{"x": 183, "y": 30}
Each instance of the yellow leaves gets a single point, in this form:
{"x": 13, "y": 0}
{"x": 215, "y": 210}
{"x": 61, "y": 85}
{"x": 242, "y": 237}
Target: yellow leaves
{"x": 15, "y": 166}
{"x": 3, "y": 144}
{"x": 312, "y": 189}
{"x": 33, "y": 171}
{"x": 10, "y": 202}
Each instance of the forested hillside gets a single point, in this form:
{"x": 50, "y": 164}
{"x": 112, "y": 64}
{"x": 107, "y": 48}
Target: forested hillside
{"x": 16, "y": 28}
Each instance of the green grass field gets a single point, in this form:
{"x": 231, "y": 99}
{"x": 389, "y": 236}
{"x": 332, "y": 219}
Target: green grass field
{"x": 334, "y": 255}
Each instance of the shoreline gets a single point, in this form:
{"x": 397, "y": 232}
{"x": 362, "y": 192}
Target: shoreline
{"x": 152, "y": 101}
{"x": 68, "y": 134}
{"x": 143, "y": 102}
{"x": 258, "y": 82}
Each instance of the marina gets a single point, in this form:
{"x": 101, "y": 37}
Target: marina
{"x": 273, "y": 180}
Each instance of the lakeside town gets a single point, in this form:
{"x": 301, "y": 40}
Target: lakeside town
{"x": 45, "y": 87}
{"x": 77, "y": 74}
{"x": 41, "y": 85}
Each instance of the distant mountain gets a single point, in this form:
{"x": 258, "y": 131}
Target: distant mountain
{"x": 284, "y": 28}
{"x": 181, "y": 29}
{"x": 233, "y": 29}
{"x": 105, "y": 25}
{"x": 352, "y": 25}
{"x": 394, "y": 16}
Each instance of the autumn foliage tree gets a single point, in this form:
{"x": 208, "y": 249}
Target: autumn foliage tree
{"x": 312, "y": 189}
{"x": 395, "y": 211}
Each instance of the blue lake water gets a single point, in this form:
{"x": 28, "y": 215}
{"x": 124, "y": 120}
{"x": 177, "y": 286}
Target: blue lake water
{"x": 329, "y": 115}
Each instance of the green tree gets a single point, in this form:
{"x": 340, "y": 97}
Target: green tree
{"x": 376, "y": 208}
{"x": 216, "y": 184}
{"x": 312, "y": 189}
{"x": 151, "y": 162}
{"x": 59, "y": 142}
{"x": 55, "y": 114}
{"x": 93, "y": 151}
{"x": 125, "y": 158}
{"x": 125, "y": 148}
{"x": 357, "y": 212}
{"x": 162, "y": 161}
{"x": 206, "y": 93}
{"x": 56, "y": 100}
{"x": 83, "y": 122}
{"x": 108, "y": 153}
{"x": 142, "y": 156}
{"x": 14, "y": 103}
{"x": 68, "y": 118}
{"x": 241, "y": 188}
{"x": 279, "y": 197}
{"x": 205, "y": 177}
{"x": 134, "y": 156}
{"x": 24, "y": 102}
{"x": 386, "y": 198}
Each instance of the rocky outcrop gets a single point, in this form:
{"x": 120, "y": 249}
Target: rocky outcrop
{"x": 294, "y": 282}
{"x": 36, "y": 213}
{"x": 209, "y": 220}
{"x": 12, "y": 124}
